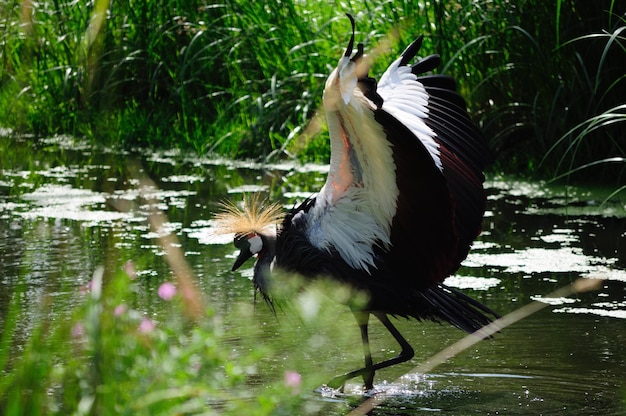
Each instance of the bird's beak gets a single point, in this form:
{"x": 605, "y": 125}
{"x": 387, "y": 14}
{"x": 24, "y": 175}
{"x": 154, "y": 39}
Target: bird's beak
{"x": 244, "y": 255}
{"x": 241, "y": 259}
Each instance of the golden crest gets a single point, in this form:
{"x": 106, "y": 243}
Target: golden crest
{"x": 255, "y": 215}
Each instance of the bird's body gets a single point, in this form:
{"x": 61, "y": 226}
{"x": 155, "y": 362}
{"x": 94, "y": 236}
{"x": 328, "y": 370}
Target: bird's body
{"x": 402, "y": 203}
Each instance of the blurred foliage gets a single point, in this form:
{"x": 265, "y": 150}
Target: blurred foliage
{"x": 108, "y": 358}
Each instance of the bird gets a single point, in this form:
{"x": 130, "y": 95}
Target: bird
{"x": 402, "y": 203}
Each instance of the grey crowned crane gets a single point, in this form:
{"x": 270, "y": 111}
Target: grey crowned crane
{"x": 401, "y": 206}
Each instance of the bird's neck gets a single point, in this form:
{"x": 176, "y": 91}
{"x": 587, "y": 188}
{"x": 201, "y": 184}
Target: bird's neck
{"x": 262, "y": 266}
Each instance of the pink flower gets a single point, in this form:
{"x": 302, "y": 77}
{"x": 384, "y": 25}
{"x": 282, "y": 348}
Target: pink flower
{"x": 146, "y": 326}
{"x": 166, "y": 291}
{"x": 129, "y": 268}
{"x": 119, "y": 310}
{"x": 293, "y": 380}
{"x": 78, "y": 330}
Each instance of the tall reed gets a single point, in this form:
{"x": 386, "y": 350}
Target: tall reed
{"x": 246, "y": 78}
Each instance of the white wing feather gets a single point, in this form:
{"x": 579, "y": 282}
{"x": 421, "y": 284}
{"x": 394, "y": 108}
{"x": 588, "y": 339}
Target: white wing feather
{"x": 354, "y": 210}
{"x": 406, "y": 99}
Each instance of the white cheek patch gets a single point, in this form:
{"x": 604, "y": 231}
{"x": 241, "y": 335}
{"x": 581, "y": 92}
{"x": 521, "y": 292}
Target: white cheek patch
{"x": 256, "y": 244}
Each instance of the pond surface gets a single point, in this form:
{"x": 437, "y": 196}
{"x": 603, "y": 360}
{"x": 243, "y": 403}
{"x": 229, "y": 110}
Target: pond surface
{"x": 67, "y": 208}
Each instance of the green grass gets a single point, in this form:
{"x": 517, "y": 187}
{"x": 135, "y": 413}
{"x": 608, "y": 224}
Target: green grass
{"x": 245, "y": 79}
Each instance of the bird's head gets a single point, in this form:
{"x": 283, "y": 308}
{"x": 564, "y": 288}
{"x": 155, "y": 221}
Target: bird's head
{"x": 254, "y": 227}
{"x": 248, "y": 245}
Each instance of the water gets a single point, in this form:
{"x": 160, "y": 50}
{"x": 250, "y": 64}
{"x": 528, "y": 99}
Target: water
{"x": 67, "y": 208}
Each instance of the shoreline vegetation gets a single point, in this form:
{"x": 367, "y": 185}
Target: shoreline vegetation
{"x": 545, "y": 81}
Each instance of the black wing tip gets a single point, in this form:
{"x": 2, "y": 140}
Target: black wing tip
{"x": 423, "y": 65}
{"x": 359, "y": 52}
{"x": 427, "y": 64}
{"x": 351, "y": 43}
{"x": 411, "y": 50}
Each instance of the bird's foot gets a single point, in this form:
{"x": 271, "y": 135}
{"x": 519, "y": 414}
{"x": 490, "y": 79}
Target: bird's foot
{"x": 329, "y": 392}
{"x": 339, "y": 382}
{"x": 337, "y": 385}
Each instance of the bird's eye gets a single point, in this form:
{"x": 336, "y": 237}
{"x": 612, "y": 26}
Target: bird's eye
{"x": 249, "y": 242}
{"x": 241, "y": 241}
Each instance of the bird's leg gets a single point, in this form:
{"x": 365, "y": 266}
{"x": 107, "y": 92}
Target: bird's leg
{"x": 362, "y": 319}
{"x": 366, "y": 372}
{"x": 407, "y": 351}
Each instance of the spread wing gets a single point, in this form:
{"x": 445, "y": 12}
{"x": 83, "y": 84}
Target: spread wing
{"x": 404, "y": 189}
{"x": 436, "y": 114}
